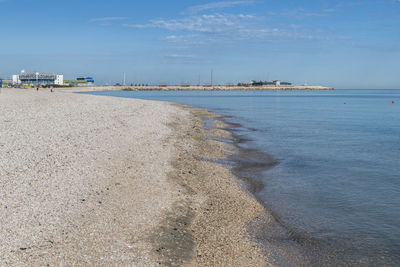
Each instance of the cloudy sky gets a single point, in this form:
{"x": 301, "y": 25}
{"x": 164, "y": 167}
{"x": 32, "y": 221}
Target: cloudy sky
{"x": 345, "y": 44}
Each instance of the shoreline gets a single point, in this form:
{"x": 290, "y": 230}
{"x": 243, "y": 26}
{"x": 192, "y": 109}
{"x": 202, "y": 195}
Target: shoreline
{"x": 289, "y": 245}
{"x": 219, "y": 144}
{"x": 246, "y": 165}
{"x": 286, "y": 245}
{"x": 212, "y": 201}
{"x": 75, "y": 194}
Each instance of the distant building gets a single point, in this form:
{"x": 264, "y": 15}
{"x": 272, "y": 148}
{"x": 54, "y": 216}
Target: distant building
{"x": 274, "y": 83}
{"x": 286, "y": 83}
{"x": 37, "y": 79}
{"x": 260, "y": 83}
{"x": 5, "y": 83}
{"x": 80, "y": 81}
{"x": 88, "y": 80}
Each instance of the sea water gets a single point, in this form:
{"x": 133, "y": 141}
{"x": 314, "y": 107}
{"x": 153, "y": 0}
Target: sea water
{"x": 337, "y": 180}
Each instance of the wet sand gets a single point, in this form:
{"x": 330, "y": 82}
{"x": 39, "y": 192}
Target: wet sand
{"x": 91, "y": 180}
{"x": 215, "y": 210}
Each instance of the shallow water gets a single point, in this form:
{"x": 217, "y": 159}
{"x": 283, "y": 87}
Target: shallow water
{"x": 338, "y": 177}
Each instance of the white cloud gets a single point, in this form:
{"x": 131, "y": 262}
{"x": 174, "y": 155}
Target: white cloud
{"x": 179, "y": 38}
{"x": 217, "y": 23}
{"x": 171, "y": 38}
{"x": 222, "y": 28}
{"x": 208, "y": 28}
{"x": 219, "y": 5}
{"x": 301, "y": 13}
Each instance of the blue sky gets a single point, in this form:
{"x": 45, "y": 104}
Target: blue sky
{"x": 345, "y": 44}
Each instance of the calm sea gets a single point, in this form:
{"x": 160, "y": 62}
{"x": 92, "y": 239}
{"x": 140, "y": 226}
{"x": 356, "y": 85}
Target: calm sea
{"x": 338, "y": 178}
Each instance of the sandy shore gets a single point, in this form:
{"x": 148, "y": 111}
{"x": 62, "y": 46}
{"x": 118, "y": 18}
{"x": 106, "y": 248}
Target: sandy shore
{"x": 91, "y": 180}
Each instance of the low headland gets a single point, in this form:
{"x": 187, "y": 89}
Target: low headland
{"x": 93, "y": 180}
{"x": 198, "y": 88}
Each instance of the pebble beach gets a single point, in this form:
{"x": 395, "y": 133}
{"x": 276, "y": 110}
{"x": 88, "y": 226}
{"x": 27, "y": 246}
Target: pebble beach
{"x": 99, "y": 181}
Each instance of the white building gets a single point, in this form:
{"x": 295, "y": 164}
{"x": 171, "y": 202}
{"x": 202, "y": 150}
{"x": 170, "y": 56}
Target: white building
{"x": 15, "y": 79}
{"x": 59, "y": 80}
{"x": 277, "y": 83}
{"x": 37, "y": 79}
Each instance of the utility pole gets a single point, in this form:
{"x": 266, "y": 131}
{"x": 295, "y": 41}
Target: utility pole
{"x": 212, "y": 77}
